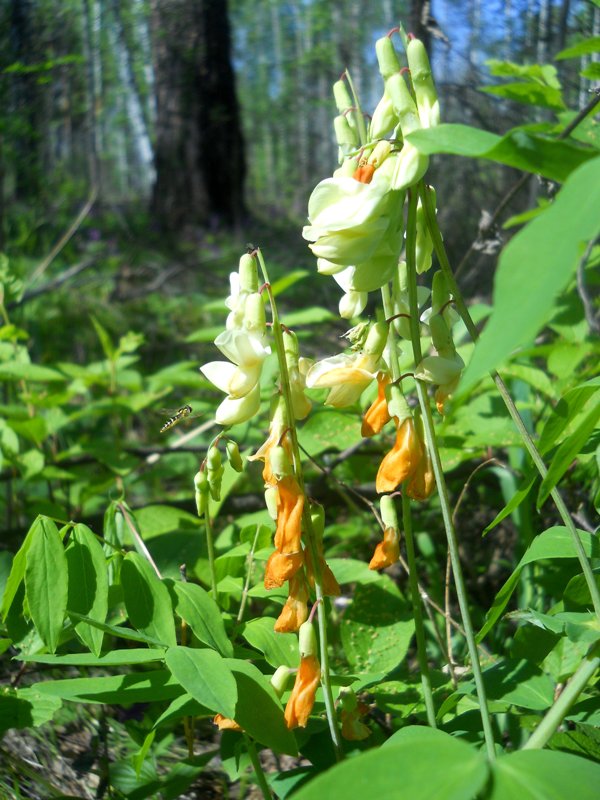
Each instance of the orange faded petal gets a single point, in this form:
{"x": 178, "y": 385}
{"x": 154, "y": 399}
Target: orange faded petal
{"x": 401, "y": 462}
{"x": 364, "y": 173}
{"x": 422, "y": 483}
{"x": 377, "y": 415}
{"x": 281, "y": 567}
{"x": 225, "y": 723}
{"x": 302, "y": 699}
{"x": 329, "y": 584}
{"x": 295, "y": 610}
{"x": 352, "y": 728}
{"x": 290, "y": 504}
{"x": 387, "y": 552}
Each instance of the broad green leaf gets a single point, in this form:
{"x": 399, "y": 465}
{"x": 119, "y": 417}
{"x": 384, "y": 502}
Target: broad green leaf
{"x": 258, "y": 709}
{"x": 567, "y": 452}
{"x": 198, "y": 610}
{"x": 46, "y": 582}
{"x": 589, "y": 45}
{"x": 329, "y": 430}
{"x": 425, "y": 764}
{"x": 182, "y": 706}
{"x": 131, "y": 784}
{"x": 533, "y": 94}
{"x": 178, "y": 779}
{"x": 17, "y": 570}
{"x": 114, "y": 658}
{"x": 150, "y": 687}
{"x": 104, "y": 337}
{"x": 147, "y": 600}
{"x": 535, "y": 266}
{"x": 551, "y": 158}
{"x": 288, "y": 280}
{"x": 565, "y": 412}
{"x": 377, "y": 628}
{"x": 26, "y": 708}
{"x": 88, "y": 584}
{"x": 544, "y": 775}
{"x": 206, "y": 676}
{"x": 519, "y": 683}
{"x": 277, "y": 648}
{"x": 16, "y": 371}
{"x": 553, "y": 543}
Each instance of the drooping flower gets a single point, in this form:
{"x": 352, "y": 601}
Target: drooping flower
{"x": 377, "y": 415}
{"x": 302, "y": 698}
{"x": 353, "y": 729}
{"x": 295, "y": 609}
{"x": 387, "y": 551}
{"x": 288, "y": 557}
{"x": 225, "y": 723}
{"x": 422, "y": 483}
{"x": 402, "y": 460}
{"x": 329, "y": 584}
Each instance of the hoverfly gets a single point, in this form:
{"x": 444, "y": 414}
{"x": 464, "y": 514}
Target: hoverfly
{"x": 185, "y": 412}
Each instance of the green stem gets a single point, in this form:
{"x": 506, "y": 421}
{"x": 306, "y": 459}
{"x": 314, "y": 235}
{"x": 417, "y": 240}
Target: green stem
{"x": 548, "y": 726}
{"x": 388, "y": 308}
{"x": 306, "y": 519}
{"x": 461, "y": 593}
{"x": 210, "y": 546}
{"x": 261, "y": 778}
{"x": 528, "y": 442}
{"x": 417, "y": 610}
{"x": 249, "y": 573}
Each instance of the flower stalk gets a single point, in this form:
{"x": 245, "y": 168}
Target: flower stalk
{"x": 306, "y": 516}
{"x": 440, "y": 478}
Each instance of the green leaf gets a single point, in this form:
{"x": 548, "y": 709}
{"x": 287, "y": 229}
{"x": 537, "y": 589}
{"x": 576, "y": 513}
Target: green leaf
{"x": 514, "y": 502}
{"x": 258, "y": 709}
{"x": 16, "y": 371}
{"x": 17, "y": 570}
{"x": 519, "y": 683}
{"x": 116, "y": 630}
{"x": 553, "y": 543}
{"x": 532, "y": 94}
{"x": 544, "y": 775}
{"x": 277, "y": 648}
{"x": 565, "y": 412}
{"x": 288, "y": 280}
{"x": 197, "y": 608}
{"x": 150, "y": 687}
{"x": 314, "y": 315}
{"x": 115, "y": 658}
{"x": 103, "y": 336}
{"x": 88, "y": 584}
{"x": 567, "y": 452}
{"x": 551, "y": 158}
{"x": 589, "y": 45}
{"x": 46, "y": 584}
{"x": 377, "y": 628}
{"x": 535, "y": 266}
{"x": 329, "y": 430}
{"x": 26, "y": 708}
{"x": 206, "y": 676}
{"x": 147, "y": 600}
{"x": 423, "y": 763}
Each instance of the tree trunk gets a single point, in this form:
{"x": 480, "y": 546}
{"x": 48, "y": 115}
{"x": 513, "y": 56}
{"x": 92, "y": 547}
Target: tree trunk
{"x": 199, "y": 152}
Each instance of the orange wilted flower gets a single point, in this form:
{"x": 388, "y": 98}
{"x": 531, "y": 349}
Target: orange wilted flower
{"x": 302, "y": 699}
{"x": 377, "y": 415}
{"x": 352, "y": 710}
{"x": 387, "y": 551}
{"x": 281, "y": 567}
{"x": 225, "y": 723}
{"x": 295, "y": 610}
{"x": 329, "y": 584}
{"x": 403, "y": 459}
{"x": 290, "y": 504}
{"x": 422, "y": 483}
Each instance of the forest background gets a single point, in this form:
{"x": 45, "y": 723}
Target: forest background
{"x": 143, "y": 144}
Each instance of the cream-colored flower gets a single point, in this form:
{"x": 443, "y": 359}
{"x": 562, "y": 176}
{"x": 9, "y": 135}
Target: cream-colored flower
{"x": 234, "y": 410}
{"x": 346, "y": 375}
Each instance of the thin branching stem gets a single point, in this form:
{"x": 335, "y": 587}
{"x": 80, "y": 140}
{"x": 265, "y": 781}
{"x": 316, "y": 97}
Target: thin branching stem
{"x": 461, "y": 593}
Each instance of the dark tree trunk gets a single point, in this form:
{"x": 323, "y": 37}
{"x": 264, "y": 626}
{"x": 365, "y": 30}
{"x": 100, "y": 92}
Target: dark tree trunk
{"x": 199, "y": 153}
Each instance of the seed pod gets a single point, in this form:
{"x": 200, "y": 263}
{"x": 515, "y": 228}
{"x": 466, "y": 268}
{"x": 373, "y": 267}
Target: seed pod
{"x": 280, "y": 462}
{"x": 345, "y": 135}
{"x": 424, "y": 242}
{"x": 201, "y": 491}
{"x": 384, "y": 118}
{"x": 280, "y": 678}
{"x": 377, "y": 339}
{"x": 425, "y": 91}
{"x": 213, "y": 458}
{"x": 233, "y": 455}
{"x": 271, "y": 496}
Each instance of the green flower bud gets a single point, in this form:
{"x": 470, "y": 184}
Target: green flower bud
{"x": 280, "y": 462}
{"x": 384, "y": 118}
{"x": 279, "y": 679}
{"x": 439, "y": 292}
{"x": 348, "y": 699}
{"x": 290, "y": 347}
{"x": 214, "y": 483}
{"x": 441, "y": 336}
{"x": 345, "y": 135}
{"x": 307, "y": 640}
{"x": 248, "y": 273}
{"x": 424, "y": 243}
{"x": 425, "y": 91}
{"x": 341, "y": 96}
{"x": 201, "y": 491}
{"x": 388, "y": 512}
{"x": 380, "y": 152}
{"x": 377, "y": 339}
{"x": 233, "y": 455}
{"x": 213, "y": 458}
{"x": 403, "y": 103}
{"x": 387, "y": 57}
{"x": 271, "y": 496}
{"x": 255, "y": 320}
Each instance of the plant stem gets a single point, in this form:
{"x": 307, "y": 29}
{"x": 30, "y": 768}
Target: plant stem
{"x": 528, "y": 442}
{"x": 210, "y": 546}
{"x": 547, "y": 727}
{"x": 411, "y": 232}
{"x": 306, "y": 519}
{"x": 258, "y": 770}
{"x": 249, "y": 573}
{"x": 417, "y": 610}
{"x": 388, "y": 308}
